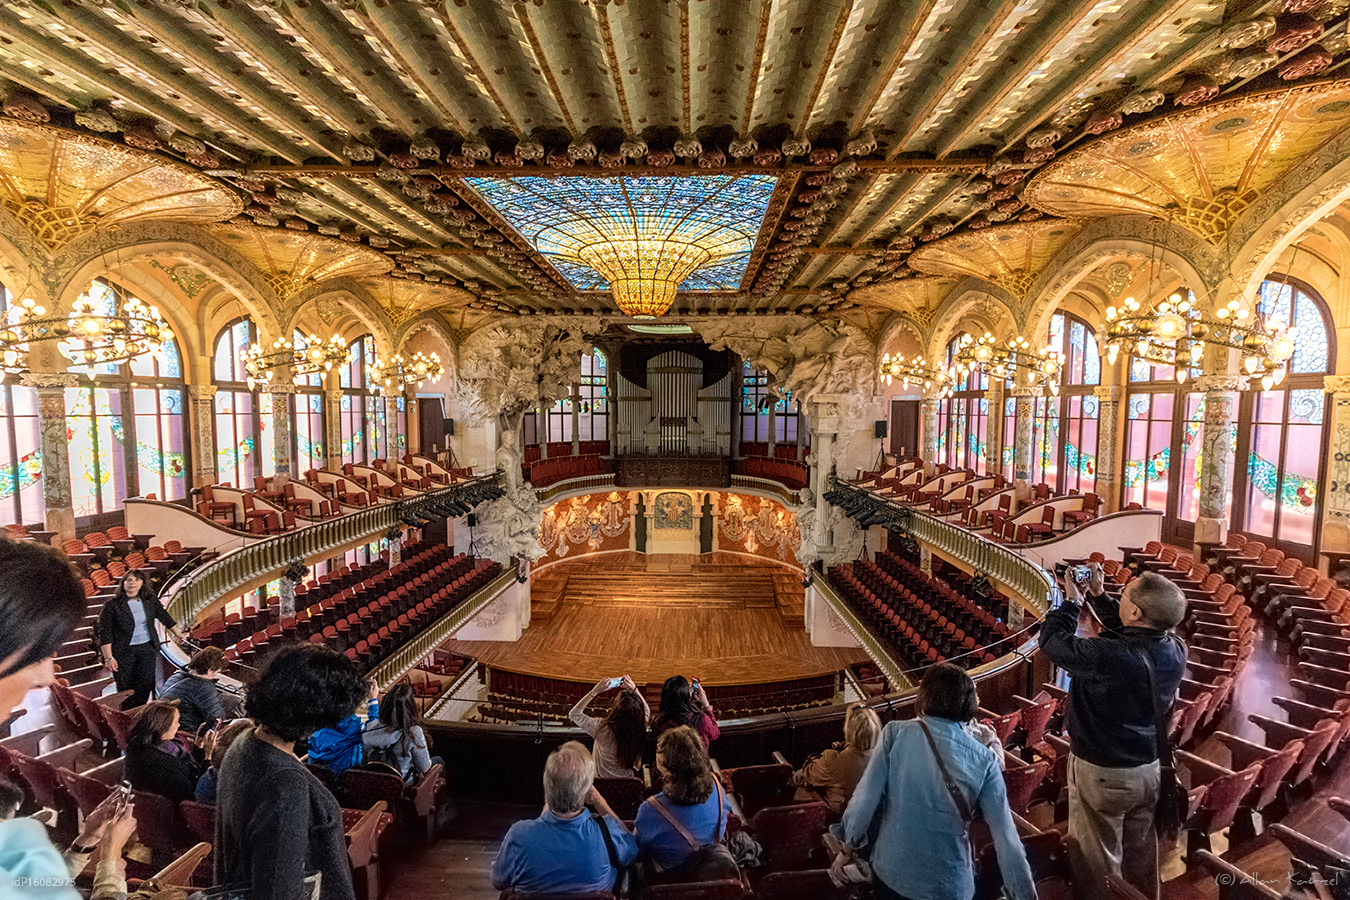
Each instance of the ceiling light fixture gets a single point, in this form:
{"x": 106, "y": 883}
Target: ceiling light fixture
{"x": 88, "y": 336}
{"x": 393, "y": 376}
{"x": 314, "y": 358}
{"x": 1015, "y": 362}
{"x": 916, "y": 371}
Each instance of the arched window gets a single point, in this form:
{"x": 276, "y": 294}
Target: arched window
{"x": 1281, "y": 433}
{"x": 361, "y": 413}
{"x": 307, "y": 417}
{"x": 243, "y": 418}
{"x": 962, "y": 418}
{"x": 125, "y": 424}
{"x": 20, "y": 447}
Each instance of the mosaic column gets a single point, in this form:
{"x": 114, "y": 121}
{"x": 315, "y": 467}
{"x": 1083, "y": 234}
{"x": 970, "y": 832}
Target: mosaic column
{"x": 391, "y": 432}
{"x": 1108, "y": 444}
{"x": 59, "y": 513}
{"x": 1022, "y": 449}
{"x": 332, "y": 427}
{"x": 1336, "y": 489}
{"x": 283, "y": 395}
{"x": 576, "y": 420}
{"x": 1217, "y": 449}
{"x": 824, "y": 428}
{"x": 993, "y": 429}
{"x": 202, "y": 398}
{"x": 930, "y": 432}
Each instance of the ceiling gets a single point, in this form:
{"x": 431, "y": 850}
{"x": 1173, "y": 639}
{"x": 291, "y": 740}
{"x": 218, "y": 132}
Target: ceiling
{"x": 886, "y": 124}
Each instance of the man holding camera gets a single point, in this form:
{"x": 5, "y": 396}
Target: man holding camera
{"x": 1123, "y": 682}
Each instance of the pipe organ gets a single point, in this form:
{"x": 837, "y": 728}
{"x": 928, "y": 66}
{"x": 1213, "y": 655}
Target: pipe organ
{"x": 675, "y": 415}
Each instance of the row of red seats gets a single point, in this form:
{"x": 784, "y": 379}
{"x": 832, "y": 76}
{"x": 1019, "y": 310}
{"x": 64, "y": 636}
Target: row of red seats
{"x": 547, "y": 471}
{"x": 791, "y": 473}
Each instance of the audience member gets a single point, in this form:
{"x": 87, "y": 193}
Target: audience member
{"x": 339, "y": 747}
{"x": 685, "y": 703}
{"x": 155, "y": 761}
{"x": 565, "y": 850}
{"x": 1122, "y": 684}
{"x": 621, "y": 735}
{"x": 924, "y": 782}
{"x": 127, "y": 637}
{"x": 11, "y": 798}
{"x": 195, "y": 689}
{"x": 398, "y": 739}
{"x": 215, "y": 744}
{"x": 276, "y": 822}
{"x": 833, "y": 775}
{"x": 690, "y": 812}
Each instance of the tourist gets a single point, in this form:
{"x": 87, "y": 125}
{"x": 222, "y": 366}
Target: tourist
{"x": 155, "y": 762}
{"x": 276, "y": 823}
{"x": 339, "y": 747}
{"x": 922, "y": 848}
{"x": 833, "y": 775}
{"x": 127, "y": 637}
{"x": 398, "y": 739}
{"x": 195, "y": 689}
{"x": 684, "y": 703}
{"x": 216, "y": 744}
{"x": 621, "y": 735}
{"x": 690, "y": 813}
{"x": 565, "y": 850}
{"x": 1123, "y": 683}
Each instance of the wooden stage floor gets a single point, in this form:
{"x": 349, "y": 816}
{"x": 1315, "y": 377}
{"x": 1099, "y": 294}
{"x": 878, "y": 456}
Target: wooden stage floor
{"x": 653, "y": 617}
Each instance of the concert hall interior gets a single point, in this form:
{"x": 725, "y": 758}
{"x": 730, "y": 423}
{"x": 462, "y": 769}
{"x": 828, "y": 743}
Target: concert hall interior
{"x": 509, "y": 346}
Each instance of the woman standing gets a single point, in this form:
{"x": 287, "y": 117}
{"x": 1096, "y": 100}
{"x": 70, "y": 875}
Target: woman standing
{"x": 622, "y": 734}
{"x": 398, "y": 739}
{"x": 127, "y": 637}
{"x": 684, "y": 703}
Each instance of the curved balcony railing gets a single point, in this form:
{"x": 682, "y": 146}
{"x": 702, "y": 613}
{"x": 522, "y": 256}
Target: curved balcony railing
{"x": 249, "y": 565}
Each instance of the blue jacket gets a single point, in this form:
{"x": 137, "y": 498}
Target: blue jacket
{"x": 339, "y": 747}
{"x": 549, "y": 855}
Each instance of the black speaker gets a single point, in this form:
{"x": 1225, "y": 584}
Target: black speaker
{"x": 880, "y": 429}
{"x": 473, "y": 520}
{"x": 449, "y": 427}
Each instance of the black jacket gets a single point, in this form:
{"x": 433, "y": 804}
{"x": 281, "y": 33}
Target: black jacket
{"x": 115, "y": 623}
{"x": 1111, "y": 713}
{"x": 157, "y": 771}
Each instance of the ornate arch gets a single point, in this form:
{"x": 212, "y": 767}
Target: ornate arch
{"x": 355, "y": 302}
{"x": 969, "y": 293}
{"x": 433, "y": 322}
{"x": 894, "y": 326}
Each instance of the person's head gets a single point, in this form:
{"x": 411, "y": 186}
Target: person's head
{"x": 627, "y": 721}
{"x": 133, "y": 585}
{"x": 948, "y": 693}
{"x": 225, "y": 736}
{"x": 11, "y": 798}
{"x": 686, "y": 774}
{"x": 677, "y": 700}
{"x": 862, "y": 727}
{"x": 398, "y": 711}
{"x": 41, "y": 602}
{"x": 568, "y": 776}
{"x": 1152, "y": 601}
{"x": 207, "y": 662}
{"x": 157, "y": 722}
{"x": 302, "y": 688}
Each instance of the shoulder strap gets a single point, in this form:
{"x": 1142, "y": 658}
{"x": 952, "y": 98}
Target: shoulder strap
{"x": 1162, "y": 740}
{"x": 962, "y": 806}
{"x": 659, "y": 804}
{"x": 609, "y": 841}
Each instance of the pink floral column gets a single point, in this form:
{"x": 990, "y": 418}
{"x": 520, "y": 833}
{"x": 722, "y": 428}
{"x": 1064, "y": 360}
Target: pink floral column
{"x": 1218, "y": 444}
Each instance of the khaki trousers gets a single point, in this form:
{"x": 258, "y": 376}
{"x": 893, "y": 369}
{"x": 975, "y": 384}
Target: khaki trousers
{"x": 1111, "y": 827}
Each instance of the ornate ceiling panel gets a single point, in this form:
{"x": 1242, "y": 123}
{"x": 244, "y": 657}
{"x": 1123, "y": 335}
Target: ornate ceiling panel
{"x": 292, "y": 261}
{"x": 401, "y": 299}
{"x": 918, "y": 298}
{"x": 1010, "y": 256}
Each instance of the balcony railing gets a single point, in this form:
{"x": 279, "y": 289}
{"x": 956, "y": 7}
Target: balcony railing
{"x": 231, "y": 573}
{"x": 875, "y": 648}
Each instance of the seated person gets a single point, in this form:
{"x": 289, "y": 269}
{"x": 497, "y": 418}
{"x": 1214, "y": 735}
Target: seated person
{"x": 833, "y": 775}
{"x": 195, "y": 689}
{"x": 339, "y": 748}
{"x": 621, "y": 735}
{"x": 564, "y": 851}
{"x": 691, "y": 810}
{"x": 155, "y": 762}
{"x": 397, "y": 738}
{"x": 214, "y": 746}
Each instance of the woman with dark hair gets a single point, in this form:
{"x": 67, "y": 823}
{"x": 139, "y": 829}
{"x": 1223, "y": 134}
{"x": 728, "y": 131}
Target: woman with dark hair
{"x": 275, "y": 821}
{"x": 621, "y": 735}
{"x": 127, "y": 638}
{"x": 398, "y": 739}
{"x": 943, "y": 775}
{"x": 690, "y": 812}
{"x": 684, "y": 703}
{"x": 155, "y": 762}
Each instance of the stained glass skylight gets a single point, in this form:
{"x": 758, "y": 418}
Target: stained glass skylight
{"x": 565, "y": 219}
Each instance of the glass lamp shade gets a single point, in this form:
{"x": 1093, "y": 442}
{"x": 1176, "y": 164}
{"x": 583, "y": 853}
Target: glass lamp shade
{"x": 644, "y": 273}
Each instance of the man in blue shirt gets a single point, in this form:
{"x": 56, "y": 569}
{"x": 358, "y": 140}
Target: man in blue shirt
{"x": 565, "y": 850}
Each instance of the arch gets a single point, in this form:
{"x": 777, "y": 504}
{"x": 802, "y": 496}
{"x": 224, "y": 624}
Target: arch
{"x": 896, "y": 325}
{"x": 356, "y": 303}
{"x": 434, "y": 323}
{"x": 970, "y": 293}
{"x": 170, "y": 306}
{"x": 19, "y": 258}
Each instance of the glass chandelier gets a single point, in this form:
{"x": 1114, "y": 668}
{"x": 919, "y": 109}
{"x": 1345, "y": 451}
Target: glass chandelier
{"x": 87, "y": 337}
{"x": 393, "y": 376}
{"x": 1174, "y": 332}
{"x": 1014, "y": 362}
{"x": 315, "y": 358}
{"x": 644, "y": 273}
{"x": 917, "y": 371}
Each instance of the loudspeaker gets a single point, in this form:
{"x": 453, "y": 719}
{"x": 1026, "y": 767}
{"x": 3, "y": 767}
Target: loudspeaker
{"x": 473, "y": 520}
{"x": 880, "y": 428}
{"x": 449, "y": 427}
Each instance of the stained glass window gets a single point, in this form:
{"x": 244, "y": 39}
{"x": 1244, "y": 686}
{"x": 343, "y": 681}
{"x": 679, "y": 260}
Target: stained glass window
{"x": 96, "y": 433}
{"x": 20, "y": 448}
{"x": 593, "y": 416}
{"x": 560, "y": 217}
{"x": 758, "y": 408}
{"x": 1148, "y": 448}
{"x": 963, "y": 418}
{"x": 1080, "y": 443}
{"x": 1009, "y": 436}
{"x": 1285, "y": 304}
{"x": 242, "y": 431}
{"x": 1192, "y": 457}
{"x": 361, "y": 424}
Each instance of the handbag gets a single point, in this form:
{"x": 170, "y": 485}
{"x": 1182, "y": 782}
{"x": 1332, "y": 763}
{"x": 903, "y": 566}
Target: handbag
{"x": 962, "y": 807}
{"x": 709, "y": 862}
{"x": 1167, "y": 812}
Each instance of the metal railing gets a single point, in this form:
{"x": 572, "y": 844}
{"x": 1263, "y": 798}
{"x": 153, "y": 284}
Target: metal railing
{"x": 247, "y": 565}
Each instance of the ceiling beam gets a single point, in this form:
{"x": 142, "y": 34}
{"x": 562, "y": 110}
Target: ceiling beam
{"x": 969, "y": 165}
{"x": 536, "y": 49}
{"x": 464, "y": 47}
{"x": 826, "y": 63}
{"x": 400, "y": 47}
{"x": 612, "y": 63}
{"x": 757, "y": 63}
{"x": 923, "y": 9}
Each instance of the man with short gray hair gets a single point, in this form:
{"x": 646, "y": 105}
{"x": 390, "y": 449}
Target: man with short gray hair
{"x": 1122, "y": 683}
{"x": 565, "y": 850}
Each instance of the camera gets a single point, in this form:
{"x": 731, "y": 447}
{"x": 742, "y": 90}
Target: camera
{"x": 1067, "y": 572}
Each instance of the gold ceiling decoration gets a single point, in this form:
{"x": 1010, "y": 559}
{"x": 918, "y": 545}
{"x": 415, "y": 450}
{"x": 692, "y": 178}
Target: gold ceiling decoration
{"x": 63, "y": 185}
{"x": 1010, "y": 256}
{"x": 402, "y": 299}
{"x": 918, "y": 298}
{"x": 293, "y": 260}
{"x": 1201, "y": 168}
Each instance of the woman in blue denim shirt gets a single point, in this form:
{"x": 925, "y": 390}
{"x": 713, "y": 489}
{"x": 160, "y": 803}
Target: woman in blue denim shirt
{"x": 921, "y": 850}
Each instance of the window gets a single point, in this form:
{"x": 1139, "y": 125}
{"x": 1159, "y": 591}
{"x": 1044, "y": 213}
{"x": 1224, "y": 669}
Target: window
{"x": 307, "y": 418}
{"x": 360, "y": 414}
{"x": 1064, "y": 428}
{"x": 962, "y": 418}
{"x": 1009, "y": 437}
{"x": 594, "y": 396}
{"x": 1148, "y": 448}
{"x": 759, "y": 409}
{"x": 243, "y": 418}
{"x": 20, "y": 447}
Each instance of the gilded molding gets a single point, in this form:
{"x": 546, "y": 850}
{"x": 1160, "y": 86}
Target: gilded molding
{"x": 49, "y": 380}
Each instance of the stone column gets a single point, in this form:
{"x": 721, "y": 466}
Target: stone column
{"x": 391, "y": 432}
{"x": 58, "y": 508}
{"x": 202, "y": 398}
{"x": 1109, "y": 398}
{"x": 332, "y": 426}
{"x": 824, "y": 428}
{"x": 993, "y": 429}
{"x": 283, "y": 398}
{"x": 930, "y": 433}
{"x": 1022, "y": 449}
{"x": 1217, "y": 450}
{"x": 576, "y": 420}
{"x": 1336, "y": 488}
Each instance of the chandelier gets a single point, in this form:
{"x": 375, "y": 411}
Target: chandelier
{"x": 916, "y": 370}
{"x": 393, "y": 376}
{"x": 314, "y": 358}
{"x": 1014, "y": 362}
{"x": 644, "y": 273}
{"x": 87, "y": 337}
{"x": 1174, "y": 332}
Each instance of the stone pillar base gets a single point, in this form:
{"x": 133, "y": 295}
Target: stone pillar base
{"x": 61, "y": 521}
{"x": 1021, "y": 490}
{"x": 1210, "y": 531}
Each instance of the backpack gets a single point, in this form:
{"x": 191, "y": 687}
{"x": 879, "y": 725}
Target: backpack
{"x": 709, "y": 862}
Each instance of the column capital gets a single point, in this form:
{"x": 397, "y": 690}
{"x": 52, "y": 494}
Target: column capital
{"x": 277, "y": 388}
{"x": 49, "y": 380}
{"x": 1025, "y": 391}
{"x": 1212, "y": 384}
{"x": 1336, "y": 384}
{"x": 1109, "y": 392}
{"x": 202, "y": 391}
